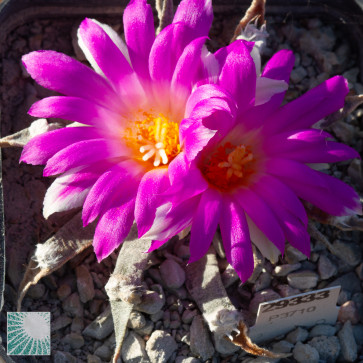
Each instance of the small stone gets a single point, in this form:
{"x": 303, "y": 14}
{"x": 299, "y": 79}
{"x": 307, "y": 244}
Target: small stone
{"x": 172, "y": 274}
{"x": 75, "y": 340}
{"x": 104, "y": 352}
{"x": 182, "y": 359}
{"x": 358, "y": 300}
{"x": 303, "y": 280}
{"x": 283, "y": 270}
{"x": 262, "y": 296}
{"x": 160, "y": 346}
{"x": 348, "y": 311}
{"x": 292, "y": 255}
{"x": 297, "y": 335}
{"x": 200, "y": 342}
{"x": 358, "y": 333}
{"x": 93, "y": 359}
{"x": 351, "y": 75}
{"x": 36, "y": 291}
{"x": 298, "y": 74}
{"x": 64, "y": 357}
{"x": 188, "y": 316}
{"x": 85, "y": 285}
{"x": 322, "y": 329}
{"x": 349, "y": 252}
{"x": 263, "y": 282}
{"x": 133, "y": 349}
{"x": 77, "y": 325}
{"x": 136, "y": 320}
{"x": 348, "y": 343}
{"x": 349, "y": 282}
{"x": 359, "y": 271}
{"x": 152, "y": 301}
{"x": 343, "y": 297}
{"x": 286, "y": 290}
{"x": 63, "y": 291}
{"x": 157, "y": 316}
{"x": 101, "y": 327}
{"x": 327, "y": 347}
{"x": 326, "y": 268}
{"x": 72, "y": 305}
{"x": 60, "y": 323}
{"x": 147, "y": 329}
{"x": 305, "y": 353}
{"x": 283, "y": 346}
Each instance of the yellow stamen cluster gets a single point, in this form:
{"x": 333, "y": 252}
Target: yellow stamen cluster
{"x": 155, "y": 136}
{"x": 229, "y": 166}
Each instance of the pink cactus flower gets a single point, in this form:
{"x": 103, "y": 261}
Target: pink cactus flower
{"x": 114, "y": 160}
{"x": 246, "y": 167}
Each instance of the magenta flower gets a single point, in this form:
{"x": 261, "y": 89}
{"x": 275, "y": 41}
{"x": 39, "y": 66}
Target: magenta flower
{"x": 246, "y": 167}
{"x": 128, "y": 109}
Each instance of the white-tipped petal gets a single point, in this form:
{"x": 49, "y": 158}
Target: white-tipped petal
{"x": 267, "y": 87}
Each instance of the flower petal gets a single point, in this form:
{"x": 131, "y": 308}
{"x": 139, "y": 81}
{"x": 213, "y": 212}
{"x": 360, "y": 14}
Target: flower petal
{"x": 110, "y": 60}
{"x": 170, "y": 220}
{"x": 259, "y": 239}
{"x": 262, "y": 216}
{"x": 112, "y": 228}
{"x": 238, "y": 75}
{"x": 267, "y": 88}
{"x": 69, "y": 190}
{"x": 278, "y": 67}
{"x": 78, "y": 110}
{"x": 197, "y": 15}
{"x": 311, "y": 107}
{"x": 316, "y": 187}
{"x": 61, "y": 73}
{"x": 81, "y": 153}
{"x": 140, "y": 35}
{"x": 236, "y": 239}
{"x": 205, "y": 224}
{"x": 152, "y": 184}
{"x": 113, "y": 183}
{"x": 42, "y": 147}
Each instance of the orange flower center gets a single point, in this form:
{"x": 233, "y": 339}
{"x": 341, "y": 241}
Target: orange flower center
{"x": 229, "y": 166}
{"x": 155, "y": 137}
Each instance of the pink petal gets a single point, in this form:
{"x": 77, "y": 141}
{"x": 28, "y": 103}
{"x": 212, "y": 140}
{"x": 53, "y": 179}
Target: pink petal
{"x": 78, "y": 110}
{"x": 278, "y": 67}
{"x": 64, "y": 74}
{"x": 205, "y": 223}
{"x": 81, "y": 153}
{"x": 112, "y": 228}
{"x": 279, "y": 193}
{"x": 197, "y": 15}
{"x": 69, "y": 190}
{"x": 236, "y": 239}
{"x": 170, "y": 220}
{"x": 111, "y": 184}
{"x": 293, "y": 227}
{"x": 327, "y": 193}
{"x": 262, "y": 215}
{"x": 42, "y": 147}
{"x": 238, "y": 75}
{"x": 311, "y": 107}
{"x": 152, "y": 184}
{"x": 111, "y": 61}
{"x": 140, "y": 35}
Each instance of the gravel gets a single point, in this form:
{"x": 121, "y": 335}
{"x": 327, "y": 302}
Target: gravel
{"x": 81, "y": 322}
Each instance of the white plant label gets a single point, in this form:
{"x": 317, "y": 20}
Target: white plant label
{"x": 280, "y": 316}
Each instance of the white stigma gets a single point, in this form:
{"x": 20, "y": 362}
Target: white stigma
{"x": 154, "y": 149}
